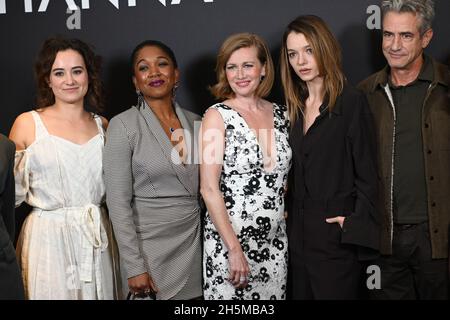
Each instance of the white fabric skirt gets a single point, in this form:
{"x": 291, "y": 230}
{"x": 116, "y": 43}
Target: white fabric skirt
{"x": 69, "y": 254}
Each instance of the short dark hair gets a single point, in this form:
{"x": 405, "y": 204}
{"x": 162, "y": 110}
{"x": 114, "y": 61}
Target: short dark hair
{"x": 43, "y": 67}
{"x": 152, "y": 43}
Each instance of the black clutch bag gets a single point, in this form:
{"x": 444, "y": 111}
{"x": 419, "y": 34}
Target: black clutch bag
{"x": 151, "y": 295}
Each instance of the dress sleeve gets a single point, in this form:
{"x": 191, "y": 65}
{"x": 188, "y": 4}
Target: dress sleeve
{"x": 21, "y": 176}
{"x": 117, "y": 166}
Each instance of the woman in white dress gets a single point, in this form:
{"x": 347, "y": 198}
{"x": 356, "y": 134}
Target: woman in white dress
{"x": 65, "y": 248}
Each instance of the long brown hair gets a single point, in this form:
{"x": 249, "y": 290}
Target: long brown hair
{"x": 327, "y": 53}
{"x": 43, "y": 67}
{"x": 222, "y": 89}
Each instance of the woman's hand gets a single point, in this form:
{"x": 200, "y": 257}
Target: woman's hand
{"x": 142, "y": 285}
{"x": 239, "y": 269}
{"x": 338, "y": 219}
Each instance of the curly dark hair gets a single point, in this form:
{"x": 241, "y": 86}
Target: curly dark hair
{"x": 43, "y": 66}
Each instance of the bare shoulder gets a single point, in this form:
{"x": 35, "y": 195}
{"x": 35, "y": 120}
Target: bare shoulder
{"x": 24, "y": 118}
{"x": 213, "y": 119}
{"x": 23, "y": 131}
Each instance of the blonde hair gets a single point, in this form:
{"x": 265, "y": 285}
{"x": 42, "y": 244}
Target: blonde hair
{"x": 222, "y": 89}
{"x": 327, "y": 53}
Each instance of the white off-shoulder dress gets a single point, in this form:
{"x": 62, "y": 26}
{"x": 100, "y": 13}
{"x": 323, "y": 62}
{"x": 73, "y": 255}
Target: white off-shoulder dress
{"x": 65, "y": 248}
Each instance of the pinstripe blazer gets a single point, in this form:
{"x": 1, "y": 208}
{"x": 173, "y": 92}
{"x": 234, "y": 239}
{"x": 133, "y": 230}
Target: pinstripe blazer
{"x": 153, "y": 201}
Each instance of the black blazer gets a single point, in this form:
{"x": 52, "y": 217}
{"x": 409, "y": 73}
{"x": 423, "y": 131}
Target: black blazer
{"x": 335, "y": 163}
{"x": 11, "y": 286}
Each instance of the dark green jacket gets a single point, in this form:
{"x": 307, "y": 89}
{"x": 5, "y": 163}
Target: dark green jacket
{"x": 436, "y": 152}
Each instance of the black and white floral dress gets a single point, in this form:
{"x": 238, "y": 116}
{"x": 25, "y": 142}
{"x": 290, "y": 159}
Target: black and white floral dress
{"x": 254, "y": 199}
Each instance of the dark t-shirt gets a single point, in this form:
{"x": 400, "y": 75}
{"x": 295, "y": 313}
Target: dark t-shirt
{"x": 410, "y": 193}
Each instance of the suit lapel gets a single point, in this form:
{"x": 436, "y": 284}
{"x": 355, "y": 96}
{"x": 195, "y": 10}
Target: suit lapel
{"x": 182, "y": 172}
{"x": 296, "y": 137}
{"x": 189, "y": 175}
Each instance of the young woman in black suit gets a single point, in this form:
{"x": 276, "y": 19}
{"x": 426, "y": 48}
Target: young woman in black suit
{"x": 332, "y": 220}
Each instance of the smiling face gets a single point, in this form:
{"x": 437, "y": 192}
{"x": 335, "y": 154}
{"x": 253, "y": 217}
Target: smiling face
{"x": 154, "y": 73}
{"x": 244, "y": 71}
{"x": 301, "y": 57}
{"x": 402, "y": 43}
{"x": 68, "y": 77}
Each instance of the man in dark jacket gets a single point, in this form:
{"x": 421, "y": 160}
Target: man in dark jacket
{"x": 408, "y": 99}
{"x": 11, "y": 286}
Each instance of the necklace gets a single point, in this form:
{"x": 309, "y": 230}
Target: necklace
{"x": 171, "y": 129}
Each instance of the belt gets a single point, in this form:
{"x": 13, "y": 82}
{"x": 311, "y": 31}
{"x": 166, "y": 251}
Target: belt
{"x": 94, "y": 240}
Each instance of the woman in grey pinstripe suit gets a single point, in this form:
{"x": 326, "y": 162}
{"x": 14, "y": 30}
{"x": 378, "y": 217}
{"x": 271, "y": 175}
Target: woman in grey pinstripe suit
{"x": 152, "y": 182}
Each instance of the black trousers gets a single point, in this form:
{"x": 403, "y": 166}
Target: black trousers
{"x": 11, "y": 285}
{"x": 410, "y": 273}
{"x": 320, "y": 266}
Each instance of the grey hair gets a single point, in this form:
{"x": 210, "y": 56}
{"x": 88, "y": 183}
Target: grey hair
{"x": 423, "y": 8}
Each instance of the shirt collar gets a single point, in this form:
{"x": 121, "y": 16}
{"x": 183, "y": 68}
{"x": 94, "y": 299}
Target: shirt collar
{"x": 337, "y": 109}
{"x": 426, "y": 73}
